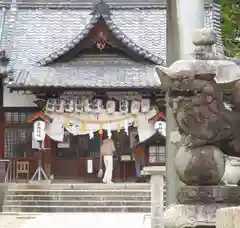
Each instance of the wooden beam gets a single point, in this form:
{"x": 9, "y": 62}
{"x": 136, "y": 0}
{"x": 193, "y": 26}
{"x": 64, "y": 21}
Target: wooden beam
{"x": 39, "y": 115}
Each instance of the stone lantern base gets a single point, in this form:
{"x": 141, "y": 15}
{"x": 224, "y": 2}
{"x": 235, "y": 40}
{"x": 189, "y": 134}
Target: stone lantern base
{"x": 199, "y": 204}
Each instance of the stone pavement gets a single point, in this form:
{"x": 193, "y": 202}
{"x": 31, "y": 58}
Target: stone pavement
{"x": 75, "y": 220}
{"x": 14, "y": 220}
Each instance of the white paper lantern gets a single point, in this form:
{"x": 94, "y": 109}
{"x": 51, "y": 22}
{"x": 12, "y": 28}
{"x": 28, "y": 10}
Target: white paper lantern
{"x": 96, "y": 105}
{"x": 126, "y": 127}
{"x": 59, "y": 106}
{"x": 145, "y": 105}
{"x": 123, "y": 106}
{"x": 91, "y": 134}
{"x": 50, "y": 106}
{"x": 111, "y": 106}
{"x": 39, "y": 130}
{"x": 109, "y": 133}
{"x": 86, "y": 105}
{"x": 79, "y": 106}
{"x": 135, "y": 107}
{"x": 68, "y": 105}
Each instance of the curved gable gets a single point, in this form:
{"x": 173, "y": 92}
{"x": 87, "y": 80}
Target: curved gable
{"x": 101, "y": 12}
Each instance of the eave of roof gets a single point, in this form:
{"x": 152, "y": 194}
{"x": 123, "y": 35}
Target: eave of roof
{"x": 156, "y": 139}
{"x": 98, "y": 75}
{"x": 101, "y": 10}
{"x": 87, "y": 4}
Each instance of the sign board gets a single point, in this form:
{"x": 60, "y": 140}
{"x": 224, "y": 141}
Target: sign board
{"x": 126, "y": 157}
{"x": 66, "y": 141}
{"x": 89, "y": 166}
{"x": 39, "y": 130}
{"x": 35, "y": 143}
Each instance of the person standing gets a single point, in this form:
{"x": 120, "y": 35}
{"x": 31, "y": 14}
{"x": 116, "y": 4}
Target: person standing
{"x": 106, "y": 151}
{"x": 139, "y": 155}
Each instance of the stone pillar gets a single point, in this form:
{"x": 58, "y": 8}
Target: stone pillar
{"x": 183, "y": 18}
{"x": 190, "y": 18}
{"x": 157, "y": 194}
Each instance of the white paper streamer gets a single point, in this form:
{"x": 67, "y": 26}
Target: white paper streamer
{"x": 109, "y": 131}
{"x": 91, "y": 134}
{"x": 126, "y": 127}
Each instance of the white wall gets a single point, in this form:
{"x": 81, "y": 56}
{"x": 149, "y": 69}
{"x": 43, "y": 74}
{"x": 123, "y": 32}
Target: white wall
{"x": 17, "y": 99}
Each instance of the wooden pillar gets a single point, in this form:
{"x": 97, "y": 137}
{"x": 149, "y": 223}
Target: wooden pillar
{"x": 1, "y": 120}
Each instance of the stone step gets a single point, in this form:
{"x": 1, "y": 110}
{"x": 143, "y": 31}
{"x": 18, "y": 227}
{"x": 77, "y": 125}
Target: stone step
{"x": 81, "y": 186}
{"x": 77, "y": 197}
{"x": 58, "y": 209}
{"x": 91, "y": 203}
{"x": 41, "y": 198}
{"x": 80, "y": 192}
{"x": 12, "y": 221}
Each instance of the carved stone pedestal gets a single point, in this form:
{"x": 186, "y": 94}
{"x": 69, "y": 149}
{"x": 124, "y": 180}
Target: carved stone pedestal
{"x": 198, "y": 205}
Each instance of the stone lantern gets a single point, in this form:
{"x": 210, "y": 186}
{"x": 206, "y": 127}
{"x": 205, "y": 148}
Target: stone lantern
{"x": 207, "y": 130}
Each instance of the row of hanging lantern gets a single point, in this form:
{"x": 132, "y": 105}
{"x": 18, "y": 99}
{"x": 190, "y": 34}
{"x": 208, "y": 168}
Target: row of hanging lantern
{"x": 97, "y": 106}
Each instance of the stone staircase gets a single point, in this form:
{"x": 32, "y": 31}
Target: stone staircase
{"x": 132, "y": 197}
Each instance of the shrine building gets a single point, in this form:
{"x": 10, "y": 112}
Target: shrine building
{"x": 83, "y": 67}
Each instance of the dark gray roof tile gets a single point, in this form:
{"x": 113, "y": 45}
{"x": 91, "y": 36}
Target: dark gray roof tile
{"x": 40, "y": 32}
{"x": 115, "y": 30}
{"x": 99, "y": 74}
{"x": 31, "y": 34}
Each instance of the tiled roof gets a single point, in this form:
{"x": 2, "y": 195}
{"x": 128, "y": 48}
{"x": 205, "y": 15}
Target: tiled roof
{"x": 89, "y": 74}
{"x": 32, "y": 33}
{"x": 41, "y": 31}
{"x": 102, "y": 11}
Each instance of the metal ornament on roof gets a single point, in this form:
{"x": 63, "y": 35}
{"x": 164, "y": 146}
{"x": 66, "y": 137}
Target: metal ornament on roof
{"x": 101, "y": 41}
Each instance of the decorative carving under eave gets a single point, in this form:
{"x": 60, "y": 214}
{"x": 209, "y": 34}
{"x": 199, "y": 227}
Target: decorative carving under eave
{"x": 101, "y": 41}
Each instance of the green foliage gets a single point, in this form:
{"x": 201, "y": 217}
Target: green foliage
{"x": 230, "y": 13}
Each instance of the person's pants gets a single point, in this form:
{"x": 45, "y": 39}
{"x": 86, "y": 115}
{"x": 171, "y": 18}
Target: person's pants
{"x": 108, "y": 162}
{"x": 138, "y": 165}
